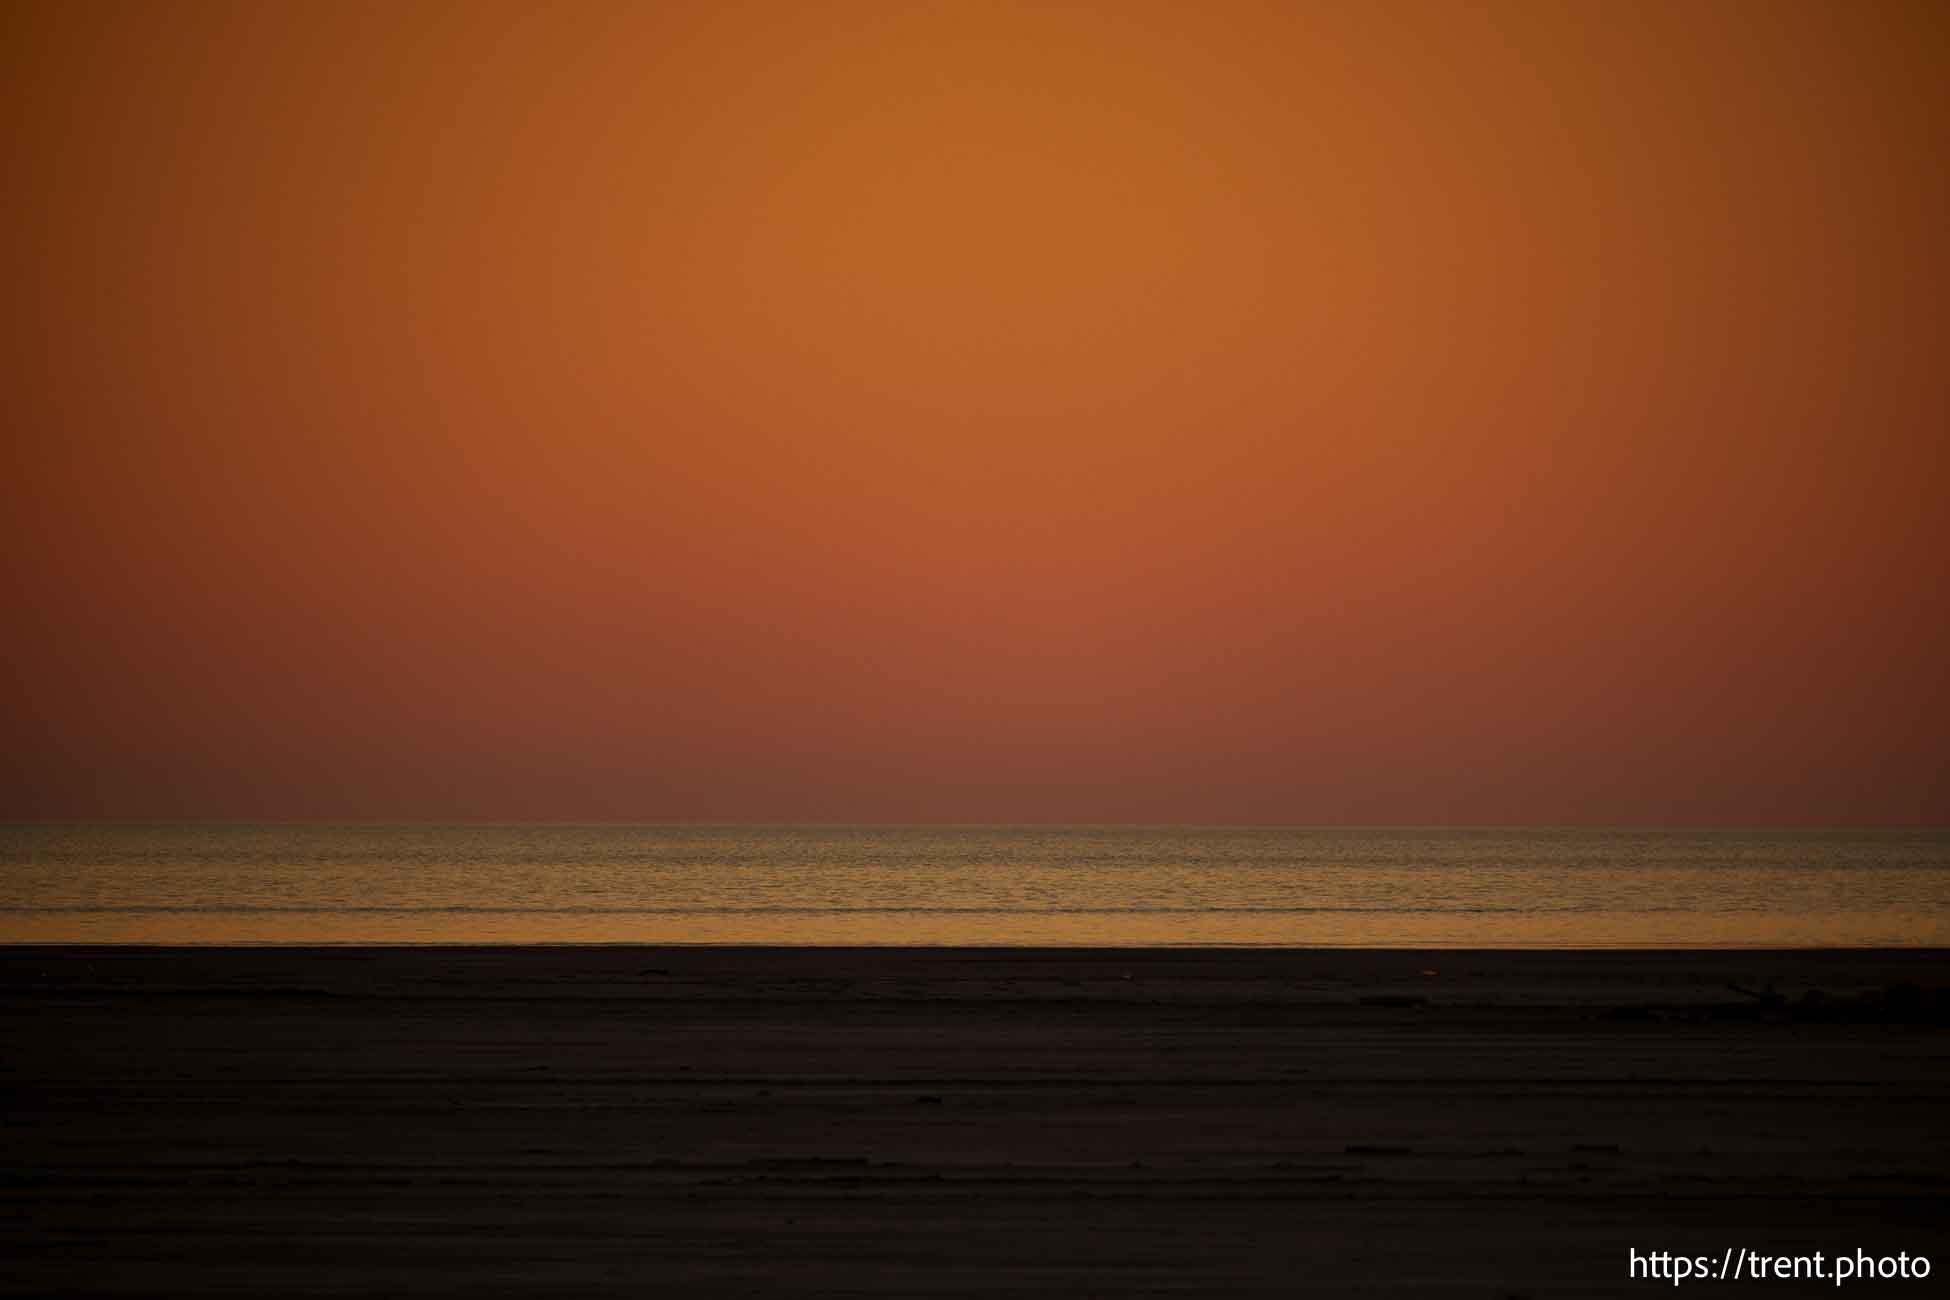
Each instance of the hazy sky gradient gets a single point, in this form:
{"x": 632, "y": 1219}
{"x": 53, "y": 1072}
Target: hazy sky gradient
{"x": 1350, "y": 413}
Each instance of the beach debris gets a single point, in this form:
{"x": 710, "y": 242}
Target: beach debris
{"x": 1767, "y": 997}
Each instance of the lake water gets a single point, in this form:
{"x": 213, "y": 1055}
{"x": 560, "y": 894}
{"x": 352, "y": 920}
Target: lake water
{"x": 421, "y": 884}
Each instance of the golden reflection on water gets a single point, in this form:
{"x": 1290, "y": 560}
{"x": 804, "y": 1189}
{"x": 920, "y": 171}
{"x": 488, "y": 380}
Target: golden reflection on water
{"x": 1003, "y": 886}
{"x": 1564, "y": 930}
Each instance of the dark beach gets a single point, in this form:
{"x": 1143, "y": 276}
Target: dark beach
{"x": 723, "y": 1121}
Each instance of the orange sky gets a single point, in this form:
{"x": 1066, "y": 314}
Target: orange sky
{"x": 1354, "y": 413}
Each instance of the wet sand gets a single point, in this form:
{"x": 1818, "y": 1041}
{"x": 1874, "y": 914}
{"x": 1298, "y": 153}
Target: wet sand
{"x": 719, "y": 1121}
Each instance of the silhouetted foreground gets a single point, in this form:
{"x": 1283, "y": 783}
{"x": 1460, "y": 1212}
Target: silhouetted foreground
{"x": 535, "y": 1121}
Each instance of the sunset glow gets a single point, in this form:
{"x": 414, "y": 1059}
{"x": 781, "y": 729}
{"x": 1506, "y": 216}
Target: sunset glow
{"x": 978, "y": 412}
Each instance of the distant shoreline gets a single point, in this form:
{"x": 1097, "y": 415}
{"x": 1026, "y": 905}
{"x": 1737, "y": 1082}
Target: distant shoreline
{"x": 1455, "y": 976}
{"x": 1022, "y": 950}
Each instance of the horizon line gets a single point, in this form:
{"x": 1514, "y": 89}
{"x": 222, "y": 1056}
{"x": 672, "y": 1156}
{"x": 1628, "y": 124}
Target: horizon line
{"x": 708, "y": 824}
